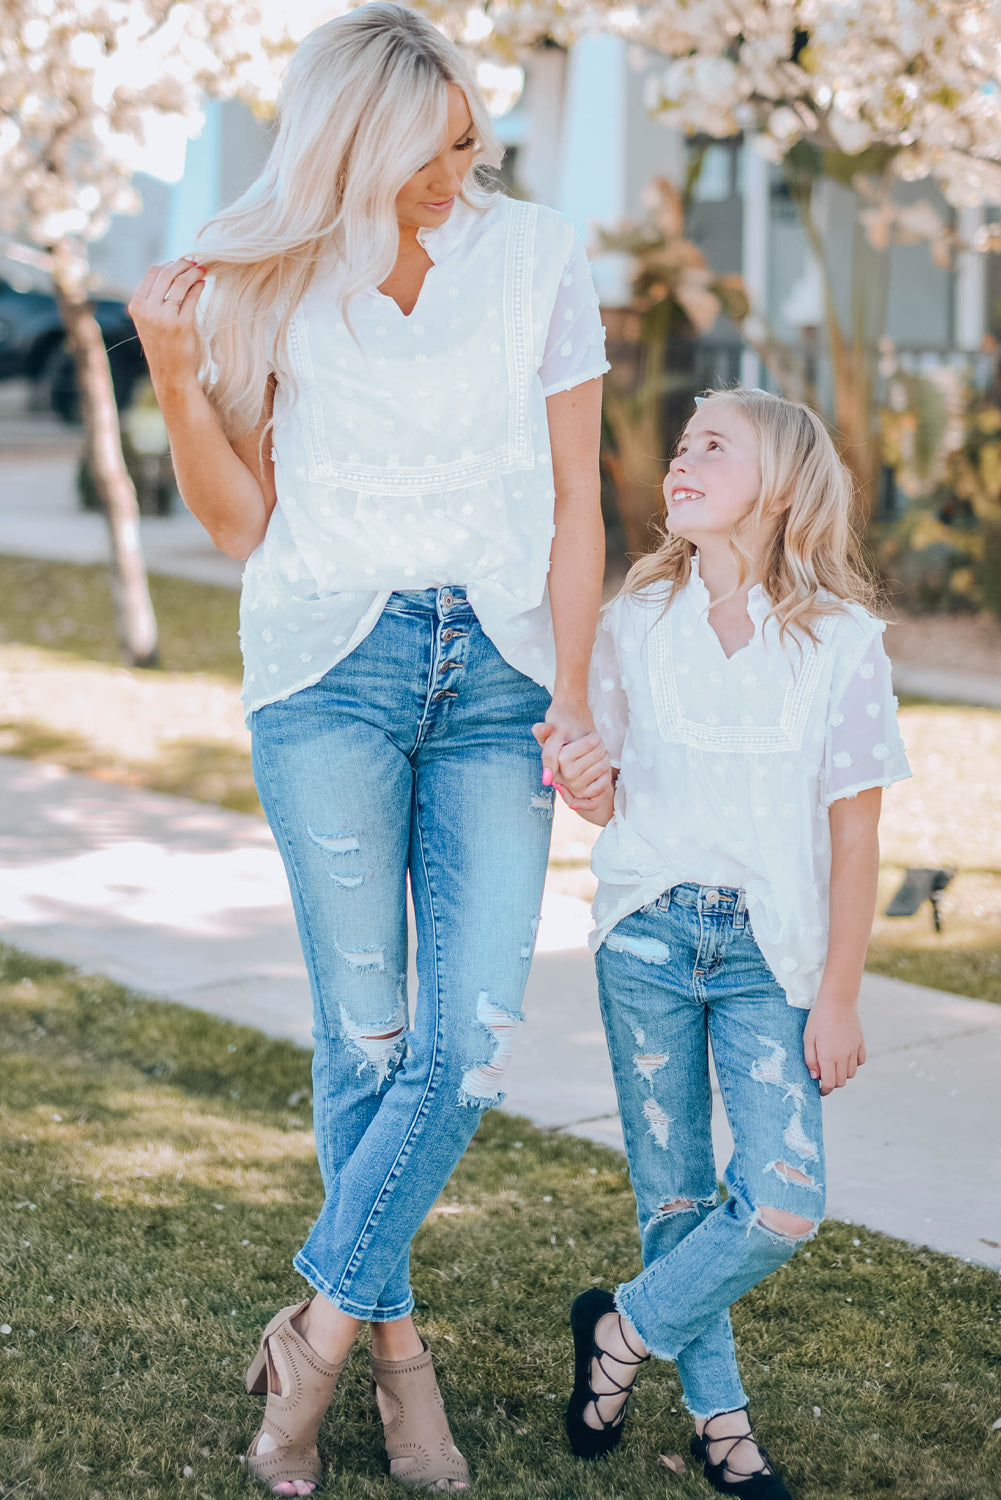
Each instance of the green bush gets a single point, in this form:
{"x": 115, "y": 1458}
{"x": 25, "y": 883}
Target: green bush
{"x": 931, "y": 564}
{"x": 945, "y": 551}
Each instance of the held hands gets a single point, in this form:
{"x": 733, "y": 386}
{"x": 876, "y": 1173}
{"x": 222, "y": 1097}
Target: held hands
{"x": 585, "y": 773}
{"x": 567, "y": 719}
{"x": 833, "y": 1044}
{"x": 579, "y": 767}
{"x": 163, "y": 310}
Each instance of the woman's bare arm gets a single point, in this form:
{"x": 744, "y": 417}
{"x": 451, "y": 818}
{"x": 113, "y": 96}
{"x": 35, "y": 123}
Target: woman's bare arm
{"x": 226, "y": 484}
{"x": 577, "y": 559}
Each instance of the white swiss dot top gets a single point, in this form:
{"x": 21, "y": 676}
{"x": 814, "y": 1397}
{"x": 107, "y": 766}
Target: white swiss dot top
{"x": 416, "y": 454}
{"x": 728, "y": 765}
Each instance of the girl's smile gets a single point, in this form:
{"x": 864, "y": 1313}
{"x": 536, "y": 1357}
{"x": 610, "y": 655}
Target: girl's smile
{"x": 714, "y": 476}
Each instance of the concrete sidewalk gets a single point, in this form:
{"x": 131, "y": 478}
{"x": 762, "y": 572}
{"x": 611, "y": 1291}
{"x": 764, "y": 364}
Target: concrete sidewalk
{"x": 189, "y": 902}
{"x": 40, "y": 516}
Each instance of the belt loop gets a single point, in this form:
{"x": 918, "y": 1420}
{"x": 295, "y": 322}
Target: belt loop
{"x": 664, "y": 900}
{"x": 740, "y": 910}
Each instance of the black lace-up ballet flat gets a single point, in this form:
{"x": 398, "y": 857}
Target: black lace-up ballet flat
{"x": 587, "y": 1441}
{"x": 762, "y": 1483}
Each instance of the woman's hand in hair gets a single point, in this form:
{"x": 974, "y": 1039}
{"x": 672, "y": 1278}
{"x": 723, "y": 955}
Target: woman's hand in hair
{"x": 163, "y": 309}
{"x": 227, "y": 482}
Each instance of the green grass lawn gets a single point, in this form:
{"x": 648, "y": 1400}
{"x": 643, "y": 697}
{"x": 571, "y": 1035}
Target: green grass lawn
{"x": 158, "y": 1172}
{"x": 67, "y": 607}
{"x": 179, "y": 730}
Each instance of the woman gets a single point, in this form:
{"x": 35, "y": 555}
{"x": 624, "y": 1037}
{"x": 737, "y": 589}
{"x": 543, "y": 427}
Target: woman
{"x": 397, "y": 424}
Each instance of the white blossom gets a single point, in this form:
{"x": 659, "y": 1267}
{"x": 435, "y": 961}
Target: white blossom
{"x": 79, "y": 80}
{"x": 919, "y": 78}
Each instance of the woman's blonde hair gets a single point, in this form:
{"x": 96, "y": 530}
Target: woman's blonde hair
{"x": 811, "y": 562}
{"x": 362, "y": 109}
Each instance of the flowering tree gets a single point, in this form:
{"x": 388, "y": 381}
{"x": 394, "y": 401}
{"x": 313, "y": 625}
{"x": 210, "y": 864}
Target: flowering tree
{"x": 78, "y": 81}
{"x": 905, "y": 85}
{"x": 867, "y": 92}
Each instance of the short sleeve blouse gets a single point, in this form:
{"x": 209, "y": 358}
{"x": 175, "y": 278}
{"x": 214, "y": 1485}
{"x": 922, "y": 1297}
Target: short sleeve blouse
{"x": 414, "y": 451}
{"x": 863, "y": 741}
{"x": 575, "y": 339}
{"x": 729, "y": 764}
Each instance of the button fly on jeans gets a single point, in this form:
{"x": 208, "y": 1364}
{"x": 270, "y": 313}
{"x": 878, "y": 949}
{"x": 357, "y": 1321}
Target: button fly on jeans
{"x": 447, "y": 600}
{"x": 712, "y": 897}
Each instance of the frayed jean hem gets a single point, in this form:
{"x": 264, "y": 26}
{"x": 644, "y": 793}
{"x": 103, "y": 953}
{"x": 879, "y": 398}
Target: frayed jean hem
{"x": 658, "y": 1352}
{"x": 345, "y": 1305}
{"x": 733, "y": 1402}
{"x": 717, "y": 1411}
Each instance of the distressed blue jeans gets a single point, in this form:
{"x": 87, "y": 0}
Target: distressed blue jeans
{"x": 674, "y": 977}
{"x": 412, "y": 756}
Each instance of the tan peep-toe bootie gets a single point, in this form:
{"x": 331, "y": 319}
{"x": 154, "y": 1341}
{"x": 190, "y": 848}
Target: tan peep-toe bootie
{"x": 299, "y": 1385}
{"x": 418, "y": 1440}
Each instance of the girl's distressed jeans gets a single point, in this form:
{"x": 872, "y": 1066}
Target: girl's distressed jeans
{"x": 672, "y": 977}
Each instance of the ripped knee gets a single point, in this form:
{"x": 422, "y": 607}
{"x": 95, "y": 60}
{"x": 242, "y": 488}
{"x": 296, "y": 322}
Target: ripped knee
{"x": 792, "y": 1174}
{"x": 787, "y": 1226}
{"x": 480, "y": 1087}
{"x": 672, "y": 1207}
{"x": 379, "y": 1045}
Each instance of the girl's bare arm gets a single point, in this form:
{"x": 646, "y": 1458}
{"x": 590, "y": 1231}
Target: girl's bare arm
{"x": 226, "y": 484}
{"x": 833, "y": 1041}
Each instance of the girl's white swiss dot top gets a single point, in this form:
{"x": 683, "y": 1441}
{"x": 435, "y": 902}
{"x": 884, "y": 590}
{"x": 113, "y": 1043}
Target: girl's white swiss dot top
{"x": 415, "y": 452}
{"x": 728, "y": 765}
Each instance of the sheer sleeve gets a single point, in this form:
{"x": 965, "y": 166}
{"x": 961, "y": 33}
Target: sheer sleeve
{"x": 864, "y": 748}
{"x": 575, "y": 343}
{"x": 606, "y": 693}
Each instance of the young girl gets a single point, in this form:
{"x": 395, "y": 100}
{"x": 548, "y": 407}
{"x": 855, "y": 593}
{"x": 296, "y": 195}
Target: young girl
{"x": 742, "y": 694}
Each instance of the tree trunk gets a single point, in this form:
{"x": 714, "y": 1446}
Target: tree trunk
{"x": 134, "y": 618}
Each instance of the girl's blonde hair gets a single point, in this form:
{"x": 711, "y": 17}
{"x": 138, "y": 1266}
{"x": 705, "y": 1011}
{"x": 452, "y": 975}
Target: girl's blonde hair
{"x": 811, "y": 562}
{"x": 362, "y": 109}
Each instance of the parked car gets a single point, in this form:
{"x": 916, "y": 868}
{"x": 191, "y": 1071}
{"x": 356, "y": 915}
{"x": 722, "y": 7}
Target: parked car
{"x": 33, "y": 344}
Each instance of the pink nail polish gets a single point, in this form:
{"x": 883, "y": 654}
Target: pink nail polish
{"x": 547, "y": 777}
